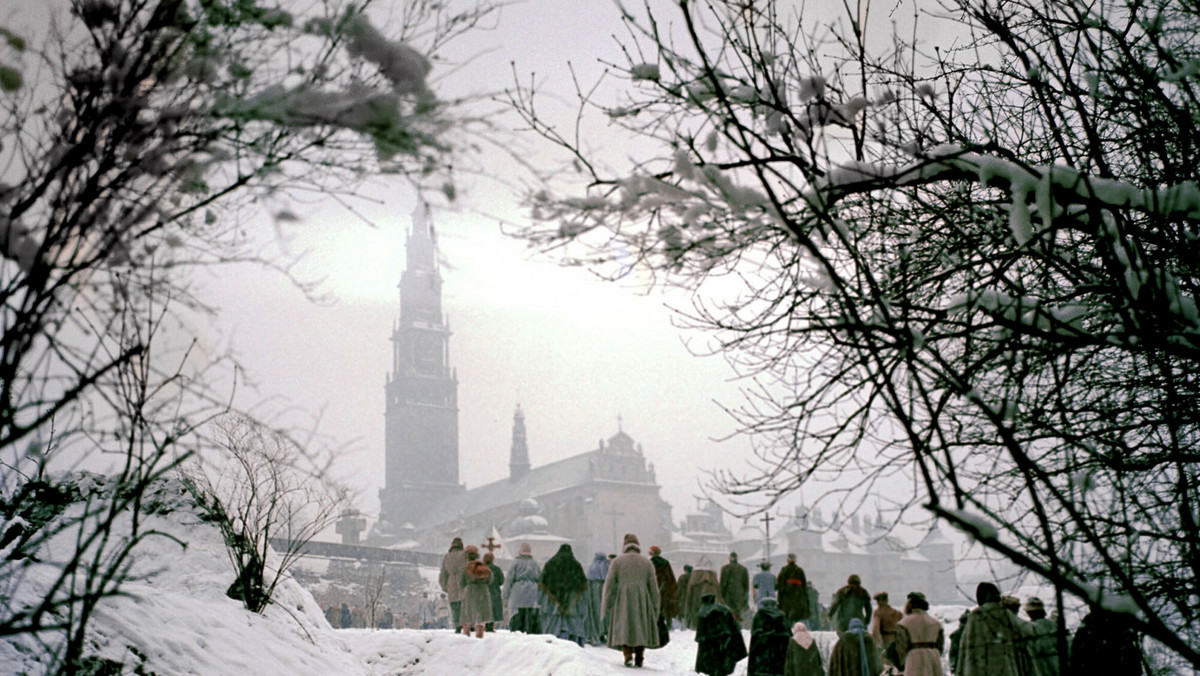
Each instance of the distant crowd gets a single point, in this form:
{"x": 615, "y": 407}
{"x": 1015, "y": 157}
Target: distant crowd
{"x": 631, "y": 602}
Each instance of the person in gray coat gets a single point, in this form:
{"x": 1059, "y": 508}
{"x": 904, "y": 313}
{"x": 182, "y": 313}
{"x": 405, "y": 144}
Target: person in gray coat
{"x": 521, "y": 592}
{"x": 631, "y": 603}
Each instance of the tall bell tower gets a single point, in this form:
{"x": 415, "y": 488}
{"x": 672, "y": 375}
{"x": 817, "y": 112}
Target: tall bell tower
{"x": 421, "y": 416}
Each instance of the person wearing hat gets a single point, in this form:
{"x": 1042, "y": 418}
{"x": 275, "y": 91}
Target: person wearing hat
{"x": 450, "y": 578}
{"x": 920, "y": 639}
{"x": 883, "y": 626}
{"x": 849, "y": 603}
{"x": 521, "y": 593}
{"x": 668, "y": 594}
{"x": 681, "y": 589}
{"x": 792, "y": 586}
{"x": 763, "y": 583}
{"x": 1043, "y": 645}
{"x": 631, "y": 603}
{"x": 735, "y": 587}
{"x": 992, "y": 643}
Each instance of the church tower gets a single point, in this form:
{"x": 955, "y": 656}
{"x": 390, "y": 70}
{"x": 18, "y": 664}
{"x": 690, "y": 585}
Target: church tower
{"x": 518, "y": 458}
{"x": 421, "y": 415}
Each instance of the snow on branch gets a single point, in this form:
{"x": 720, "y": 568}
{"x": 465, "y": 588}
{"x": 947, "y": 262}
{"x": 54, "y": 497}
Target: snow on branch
{"x": 950, "y": 163}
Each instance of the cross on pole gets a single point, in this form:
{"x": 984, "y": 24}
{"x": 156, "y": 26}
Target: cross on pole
{"x": 767, "y": 519}
{"x": 491, "y": 544}
{"x": 612, "y": 512}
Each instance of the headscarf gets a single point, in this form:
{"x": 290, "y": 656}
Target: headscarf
{"x": 456, "y": 543}
{"x": 800, "y": 635}
{"x": 563, "y": 577}
{"x": 599, "y": 568}
{"x": 856, "y": 627}
{"x": 525, "y": 549}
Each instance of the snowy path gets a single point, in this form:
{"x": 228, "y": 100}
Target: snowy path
{"x": 439, "y": 653}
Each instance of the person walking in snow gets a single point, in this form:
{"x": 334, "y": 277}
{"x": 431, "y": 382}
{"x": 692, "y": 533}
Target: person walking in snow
{"x": 594, "y": 630}
{"x": 521, "y": 593}
{"x": 426, "y": 612}
{"x": 769, "y": 636}
{"x": 681, "y": 589}
{"x": 735, "y": 587}
{"x": 1043, "y": 644}
{"x": 919, "y": 639}
{"x": 703, "y": 581}
{"x": 855, "y": 653}
{"x": 993, "y": 643}
{"x": 849, "y": 603}
{"x": 803, "y": 658}
{"x": 564, "y": 586}
{"x": 631, "y": 603}
{"x": 763, "y": 583}
{"x": 494, "y": 583}
{"x": 883, "y": 627}
{"x": 719, "y": 636}
{"x": 1105, "y": 643}
{"x": 792, "y": 587}
{"x": 450, "y": 578}
{"x": 477, "y": 598}
{"x": 668, "y": 597}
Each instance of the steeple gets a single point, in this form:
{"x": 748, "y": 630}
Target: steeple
{"x": 421, "y": 414}
{"x": 518, "y": 463}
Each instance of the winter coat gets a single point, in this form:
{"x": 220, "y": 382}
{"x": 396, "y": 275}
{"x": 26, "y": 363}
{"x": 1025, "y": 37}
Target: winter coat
{"x": 494, "y": 584}
{"x": 631, "y": 602}
{"x": 763, "y": 584}
{"x": 791, "y": 585}
{"x": 594, "y": 632}
{"x": 703, "y": 581}
{"x": 668, "y": 596}
{"x": 735, "y": 587}
{"x": 1105, "y": 644}
{"x": 522, "y": 589}
{"x": 850, "y": 602}
{"x": 920, "y": 641}
{"x": 993, "y": 644}
{"x": 720, "y": 638}
{"x": 477, "y": 598}
{"x": 564, "y": 588}
{"x": 1043, "y": 646}
{"x": 883, "y": 626}
{"x": 681, "y": 589}
{"x": 853, "y": 650}
{"x": 769, "y": 638}
{"x": 803, "y": 661}
{"x": 450, "y": 576}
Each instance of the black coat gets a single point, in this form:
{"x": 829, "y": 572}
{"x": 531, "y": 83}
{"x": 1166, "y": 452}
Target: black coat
{"x": 720, "y": 638}
{"x": 769, "y": 636}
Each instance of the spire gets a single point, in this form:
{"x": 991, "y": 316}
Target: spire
{"x": 518, "y": 463}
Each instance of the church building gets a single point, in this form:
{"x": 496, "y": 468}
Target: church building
{"x": 590, "y": 499}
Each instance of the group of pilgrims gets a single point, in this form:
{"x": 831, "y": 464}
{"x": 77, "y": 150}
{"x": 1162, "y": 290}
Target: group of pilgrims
{"x": 631, "y": 602}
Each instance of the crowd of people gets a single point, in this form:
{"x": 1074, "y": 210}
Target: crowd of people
{"x": 630, "y": 602}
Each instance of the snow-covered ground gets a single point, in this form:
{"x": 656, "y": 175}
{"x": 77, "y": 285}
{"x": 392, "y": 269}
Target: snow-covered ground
{"x": 176, "y": 619}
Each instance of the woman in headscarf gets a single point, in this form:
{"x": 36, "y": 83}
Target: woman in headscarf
{"x": 594, "y": 630}
{"x": 563, "y": 587}
{"x": 477, "y": 601}
{"x": 521, "y": 593}
{"x": 803, "y": 657}
{"x": 855, "y": 653}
